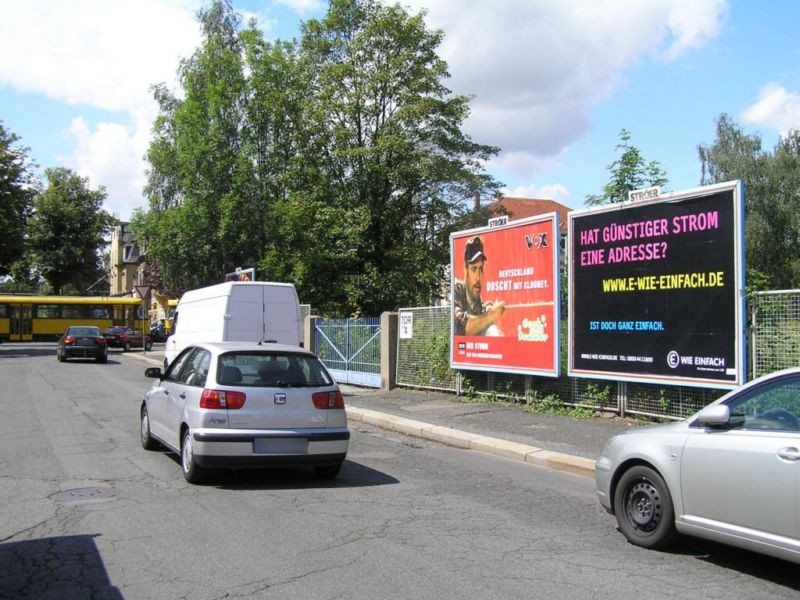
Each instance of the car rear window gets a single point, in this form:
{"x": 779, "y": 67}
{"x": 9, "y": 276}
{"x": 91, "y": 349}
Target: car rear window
{"x": 87, "y": 331}
{"x": 262, "y": 369}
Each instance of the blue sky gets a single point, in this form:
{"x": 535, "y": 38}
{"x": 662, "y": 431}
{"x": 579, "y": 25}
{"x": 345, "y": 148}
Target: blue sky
{"x": 554, "y": 80}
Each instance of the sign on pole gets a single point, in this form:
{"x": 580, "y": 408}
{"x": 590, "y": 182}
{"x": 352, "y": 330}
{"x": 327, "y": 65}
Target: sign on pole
{"x": 144, "y": 292}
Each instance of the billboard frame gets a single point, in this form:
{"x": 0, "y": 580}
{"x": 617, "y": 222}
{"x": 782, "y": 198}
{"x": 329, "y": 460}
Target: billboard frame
{"x": 550, "y": 219}
{"x": 737, "y": 293}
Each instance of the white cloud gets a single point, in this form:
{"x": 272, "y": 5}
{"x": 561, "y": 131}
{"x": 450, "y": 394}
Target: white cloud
{"x": 776, "y": 108}
{"x": 537, "y": 68}
{"x": 110, "y": 155}
{"x": 95, "y": 54}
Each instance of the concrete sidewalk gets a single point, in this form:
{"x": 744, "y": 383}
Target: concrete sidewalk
{"x": 552, "y": 441}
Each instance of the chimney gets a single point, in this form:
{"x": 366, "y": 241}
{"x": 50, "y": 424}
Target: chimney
{"x": 477, "y": 201}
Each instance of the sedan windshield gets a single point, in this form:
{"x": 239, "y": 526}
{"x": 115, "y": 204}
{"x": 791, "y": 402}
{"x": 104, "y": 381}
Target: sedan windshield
{"x": 261, "y": 369}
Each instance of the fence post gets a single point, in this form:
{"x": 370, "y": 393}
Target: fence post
{"x": 309, "y": 330}
{"x": 388, "y": 350}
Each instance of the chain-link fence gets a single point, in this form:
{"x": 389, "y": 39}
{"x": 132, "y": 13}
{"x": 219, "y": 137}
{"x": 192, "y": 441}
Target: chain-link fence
{"x": 775, "y": 335}
{"x": 423, "y": 360}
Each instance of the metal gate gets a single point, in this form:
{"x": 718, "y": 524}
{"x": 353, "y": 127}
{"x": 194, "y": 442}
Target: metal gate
{"x": 351, "y": 349}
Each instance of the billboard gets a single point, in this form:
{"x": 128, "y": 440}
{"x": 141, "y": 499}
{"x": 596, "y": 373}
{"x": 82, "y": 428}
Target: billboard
{"x": 241, "y": 275}
{"x": 504, "y": 297}
{"x": 656, "y": 289}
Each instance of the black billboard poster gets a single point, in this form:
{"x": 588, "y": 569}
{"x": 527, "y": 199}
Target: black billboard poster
{"x": 656, "y": 289}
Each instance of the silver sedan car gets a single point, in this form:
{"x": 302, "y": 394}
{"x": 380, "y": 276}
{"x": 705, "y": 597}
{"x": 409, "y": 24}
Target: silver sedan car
{"x": 730, "y": 473}
{"x": 221, "y": 405}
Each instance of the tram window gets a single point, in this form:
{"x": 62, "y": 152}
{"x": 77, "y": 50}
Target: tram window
{"x": 99, "y": 312}
{"x": 3, "y": 311}
{"x": 47, "y": 311}
{"x": 74, "y": 311}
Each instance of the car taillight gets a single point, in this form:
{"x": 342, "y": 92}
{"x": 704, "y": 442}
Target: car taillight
{"x": 69, "y": 340}
{"x": 222, "y": 399}
{"x": 326, "y": 400}
{"x": 100, "y": 341}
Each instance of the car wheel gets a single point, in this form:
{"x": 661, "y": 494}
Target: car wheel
{"x": 327, "y": 471}
{"x": 60, "y": 355}
{"x": 644, "y": 508}
{"x": 103, "y": 358}
{"x": 192, "y": 472}
{"x": 126, "y": 347}
{"x": 148, "y": 443}
{"x": 148, "y": 346}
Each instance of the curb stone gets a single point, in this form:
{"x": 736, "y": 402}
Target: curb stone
{"x": 558, "y": 461}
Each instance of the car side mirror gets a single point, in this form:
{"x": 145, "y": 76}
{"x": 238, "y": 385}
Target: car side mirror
{"x": 153, "y": 372}
{"x": 716, "y": 415}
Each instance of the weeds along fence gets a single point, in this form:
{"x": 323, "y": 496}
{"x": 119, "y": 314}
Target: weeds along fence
{"x": 423, "y": 361}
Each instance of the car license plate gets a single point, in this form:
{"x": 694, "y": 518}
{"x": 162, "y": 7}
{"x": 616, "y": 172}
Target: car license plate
{"x": 280, "y": 446}
{"x": 85, "y": 342}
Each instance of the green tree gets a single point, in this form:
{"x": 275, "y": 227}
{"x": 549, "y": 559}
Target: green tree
{"x": 195, "y": 228}
{"x": 385, "y": 143}
{"x": 18, "y": 187}
{"x": 337, "y": 164}
{"x": 772, "y": 199}
{"x": 66, "y": 232}
{"x": 629, "y": 172}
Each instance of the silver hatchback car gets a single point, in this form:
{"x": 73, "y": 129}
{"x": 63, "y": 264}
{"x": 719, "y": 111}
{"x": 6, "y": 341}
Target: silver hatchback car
{"x": 730, "y": 473}
{"x": 232, "y": 404}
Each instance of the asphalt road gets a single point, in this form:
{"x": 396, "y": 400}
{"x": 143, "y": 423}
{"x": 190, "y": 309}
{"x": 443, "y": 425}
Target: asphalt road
{"x": 85, "y": 512}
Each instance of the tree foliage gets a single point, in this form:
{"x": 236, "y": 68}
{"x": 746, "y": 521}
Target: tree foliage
{"x": 66, "y": 231}
{"x": 628, "y": 173}
{"x": 772, "y": 199}
{"x": 337, "y": 163}
{"x": 18, "y": 187}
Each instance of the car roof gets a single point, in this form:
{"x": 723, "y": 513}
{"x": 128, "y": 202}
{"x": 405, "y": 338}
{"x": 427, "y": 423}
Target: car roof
{"x": 221, "y": 347}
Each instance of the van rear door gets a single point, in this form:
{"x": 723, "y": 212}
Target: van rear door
{"x": 282, "y": 315}
{"x": 244, "y": 318}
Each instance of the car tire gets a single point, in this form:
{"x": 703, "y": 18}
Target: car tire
{"x": 126, "y": 347}
{"x": 148, "y": 346}
{"x": 327, "y": 471}
{"x": 60, "y": 355}
{"x": 102, "y": 359}
{"x": 148, "y": 442}
{"x": 192, "y": 472}
{"x": 644, "y": 510}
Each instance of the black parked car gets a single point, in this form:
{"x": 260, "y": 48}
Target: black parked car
{"x": 158, "y": 333}
{"x": 82, "y": 341}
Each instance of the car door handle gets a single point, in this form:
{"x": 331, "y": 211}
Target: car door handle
{"x": 182, "y": 395}
{"x": 789, "y": 453}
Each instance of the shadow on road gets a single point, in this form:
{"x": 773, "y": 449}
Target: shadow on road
{"x": 775, "y": 570}
{"x": 353, "y": 474}
{"x": 55, "y": 567}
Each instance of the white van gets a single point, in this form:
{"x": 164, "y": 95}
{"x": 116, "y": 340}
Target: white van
{"x": 236, "y": 311}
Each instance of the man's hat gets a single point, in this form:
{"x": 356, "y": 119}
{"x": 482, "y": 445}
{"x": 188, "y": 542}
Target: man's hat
{"x": 474, "y": 250}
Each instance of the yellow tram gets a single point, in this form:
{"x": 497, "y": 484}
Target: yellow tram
{"x": 44, "y": 318}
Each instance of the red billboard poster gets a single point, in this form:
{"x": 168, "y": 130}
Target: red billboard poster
{"x": 656, "y": 289}
{"x": 504, "y": 297}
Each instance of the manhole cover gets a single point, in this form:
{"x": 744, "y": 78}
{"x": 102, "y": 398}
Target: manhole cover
{"x": 84, "y": 494}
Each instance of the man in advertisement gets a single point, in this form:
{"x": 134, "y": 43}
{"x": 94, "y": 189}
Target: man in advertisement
{"x": 471, "y": 316}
